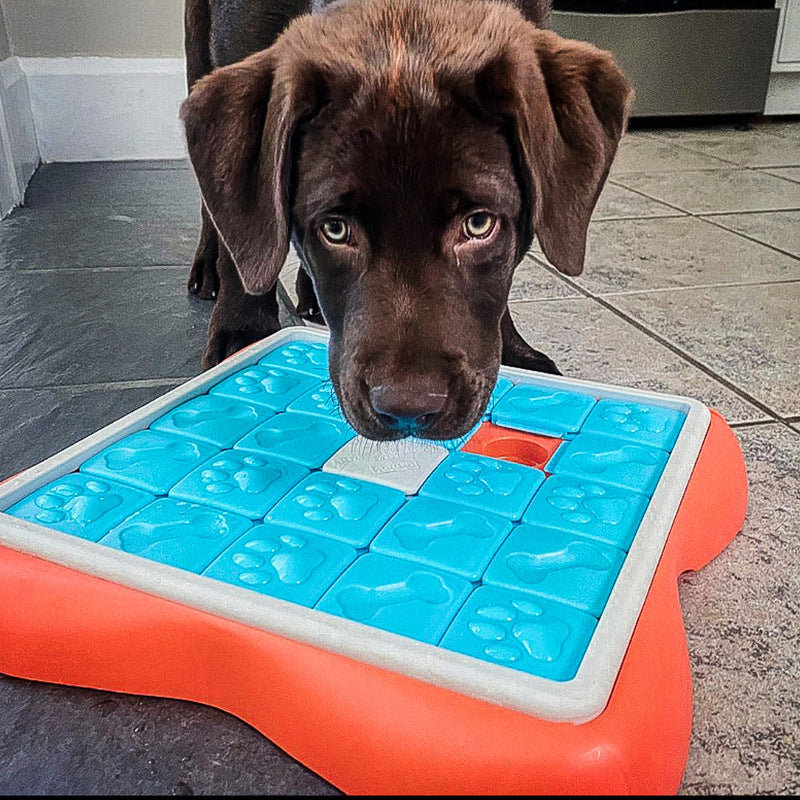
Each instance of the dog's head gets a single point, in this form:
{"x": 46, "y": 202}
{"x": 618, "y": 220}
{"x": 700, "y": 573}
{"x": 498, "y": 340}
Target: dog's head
{"x": 410, "y": 151}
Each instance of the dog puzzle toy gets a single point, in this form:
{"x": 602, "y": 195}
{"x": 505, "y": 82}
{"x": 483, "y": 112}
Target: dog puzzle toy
{"x": 496, "y": 614}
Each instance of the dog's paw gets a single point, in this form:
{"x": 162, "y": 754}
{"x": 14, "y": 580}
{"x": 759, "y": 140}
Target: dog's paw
{"x": 223, "y": 343}
{"x": 203, "y": 278}
{"x": 531, "y": 360}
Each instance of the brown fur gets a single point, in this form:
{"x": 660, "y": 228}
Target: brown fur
{"x": 402, "y": 116}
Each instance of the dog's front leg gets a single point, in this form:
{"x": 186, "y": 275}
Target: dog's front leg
{"x": 238, "y": 318}
{"x": 203, "y": 277}
{"x": 518, "y": 353}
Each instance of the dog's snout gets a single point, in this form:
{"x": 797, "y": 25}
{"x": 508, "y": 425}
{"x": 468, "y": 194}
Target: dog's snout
{"x": 409, "y": 405}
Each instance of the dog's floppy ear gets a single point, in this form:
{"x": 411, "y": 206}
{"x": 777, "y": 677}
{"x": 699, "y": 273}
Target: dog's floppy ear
{"x": 239, "y": 123}
{"x": 567, "y": 102}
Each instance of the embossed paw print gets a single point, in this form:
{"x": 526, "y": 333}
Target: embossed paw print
{"x": 83, "y": 506}
{"x": 587, "y": 503}
{"x": 514, "y": 630}
{"x": 342, "y": 498}
{"x": 290, "y": 559}
{"x": 249, "y": 474}
{"x": 633, "y": 419}
{"x": 263, "y": 380}
{"x": 302, "y": 355}
{"x": 489, "y": 477}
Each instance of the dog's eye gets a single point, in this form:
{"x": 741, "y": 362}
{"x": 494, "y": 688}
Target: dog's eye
{"x": 335, "y": 230}
{"x": 479, "y": 225}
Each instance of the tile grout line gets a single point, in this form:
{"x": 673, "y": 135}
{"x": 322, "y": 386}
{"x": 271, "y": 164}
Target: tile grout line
{"x": 670, "y": 346}
{"x": 751, "y": 238}
{"x": 628, "y": 292}
{"x": 700, "y": 213}
{"x": 144, "y": 383}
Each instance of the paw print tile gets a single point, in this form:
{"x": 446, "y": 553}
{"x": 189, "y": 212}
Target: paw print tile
{"x": 183, "y": 535}
{"x": 613, "y": 461}
{"x": 212, "y": 419}
{"x": 398, "y": 596}
{"x": 501, "y": 388}
{"x": 644, "y": 424}
{"x": 345, "y": 509}
{"x": 310, "y": 358}
{"x": 443, "y": 535}
{"x": 149, "y": 460}
{"x": 522, "y": 632}
{"x": 239, "y": 482}
{"x": 281, "y": 562}
{"x": 319, "y": 402}
{"x": 268, "y": 386}
{"x": 576, "y": 505}
{"x": 541, "y": 410}
{"x": 81, "y": 505}
{"x": 403, "y": 465}
{"x": 558, "y": 566}
{"x": 500, "y": 487}
{"x": 307, "y": 440}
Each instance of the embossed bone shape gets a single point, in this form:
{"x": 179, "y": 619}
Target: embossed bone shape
{"x": 126, "y": 457}
{"x": 363, "y": 602}
{"x": 139, "y": 535}
{"x": 418, "y": 535}
{"x": 197, "y": 416}
{"x": 534, "y": 567}
{"x": 597, "y": 462}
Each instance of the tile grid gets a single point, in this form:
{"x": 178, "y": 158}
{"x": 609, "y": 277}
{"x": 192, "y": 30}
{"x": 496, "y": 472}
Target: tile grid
{"x": 176, "y": 464}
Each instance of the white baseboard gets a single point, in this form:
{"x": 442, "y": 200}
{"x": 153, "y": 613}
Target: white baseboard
{"x": 19, "y": 154}
{"x": 107, "y": 109}
{"x": 783, "y": 94}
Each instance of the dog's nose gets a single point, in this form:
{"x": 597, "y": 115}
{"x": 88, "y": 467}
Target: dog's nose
{"x": 409, "y": 405}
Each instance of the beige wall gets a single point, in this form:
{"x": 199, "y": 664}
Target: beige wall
{"x": 130, "y": 28}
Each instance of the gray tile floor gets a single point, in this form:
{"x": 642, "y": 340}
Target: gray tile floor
{"x": 692, "y": 286}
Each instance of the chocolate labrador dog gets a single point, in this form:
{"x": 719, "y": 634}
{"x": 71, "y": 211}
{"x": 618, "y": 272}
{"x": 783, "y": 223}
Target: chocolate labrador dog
{"x": 409, "y": 150}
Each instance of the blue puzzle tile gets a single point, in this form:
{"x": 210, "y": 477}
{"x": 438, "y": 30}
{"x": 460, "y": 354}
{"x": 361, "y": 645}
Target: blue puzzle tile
{"x": 149, "y": 460}
{"x": 501, "y": 487}
{"x": 319, "y": 402}
{"x": 645, "y": 424}
{"x": 516, "y": 630}
{"x": 239, "y": 482}
{"x": 271, "y": 387}
{"x": 537, "y": 409}
{"x": 576, "y": 505}
{"x": 500, "y": 389}
{"x": 310, "y": 358}
{"x": 212, "y": 419}
{"x": 183, "y": 535}
{"x": 397, "y": 596}
{"x": 556, "y": 565}
{"x": 346, "y": 509}
{"x": 289, "y": 564}
{"x": 297, "y": 437}
{"x": 612, "y": 461}
{"x": 80, "y": 504}
{"x": 444, "y": 535}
